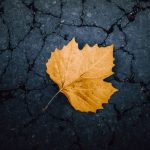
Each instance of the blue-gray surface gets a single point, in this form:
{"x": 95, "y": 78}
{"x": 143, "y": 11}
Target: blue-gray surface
{"x": 29, "y": 31}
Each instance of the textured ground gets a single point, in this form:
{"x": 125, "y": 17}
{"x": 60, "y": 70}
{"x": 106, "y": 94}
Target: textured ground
{"x": 29, "y": 31}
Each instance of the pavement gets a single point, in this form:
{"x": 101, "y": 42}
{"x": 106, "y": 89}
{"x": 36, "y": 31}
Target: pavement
{"x": 29, "y": 31}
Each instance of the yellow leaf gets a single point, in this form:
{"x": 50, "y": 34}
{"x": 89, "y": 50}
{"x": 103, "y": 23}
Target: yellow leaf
{"x": 80, "y": 74}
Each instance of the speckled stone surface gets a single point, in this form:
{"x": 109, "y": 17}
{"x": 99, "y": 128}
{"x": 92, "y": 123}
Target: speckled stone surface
{"x": 29, "y": 31}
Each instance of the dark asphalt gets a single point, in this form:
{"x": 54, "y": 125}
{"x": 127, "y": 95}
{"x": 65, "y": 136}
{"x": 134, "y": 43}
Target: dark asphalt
{"x": 29, "y": 31}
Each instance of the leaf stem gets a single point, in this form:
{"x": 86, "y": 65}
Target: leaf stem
{"x": 45, "y": 108}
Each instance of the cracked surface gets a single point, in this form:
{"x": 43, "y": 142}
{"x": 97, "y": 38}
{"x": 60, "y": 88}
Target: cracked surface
{"x": 29, "y": 31}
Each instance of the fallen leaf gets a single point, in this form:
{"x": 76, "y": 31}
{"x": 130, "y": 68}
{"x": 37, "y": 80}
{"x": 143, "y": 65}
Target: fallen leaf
{"x": 80, "y": 74}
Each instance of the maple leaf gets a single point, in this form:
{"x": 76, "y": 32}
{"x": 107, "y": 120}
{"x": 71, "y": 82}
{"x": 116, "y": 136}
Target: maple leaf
{"x": 80, "y": 75}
